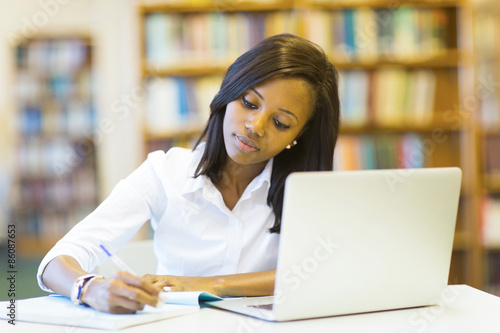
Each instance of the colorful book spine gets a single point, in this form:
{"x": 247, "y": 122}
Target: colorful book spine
{"x": 357, "y": 152}
{"x": 387, "y": 97}
{"x": 371, "y": 34}
{"x": 490, "y": 222}
{"x": 492, "y": 154}
{"x": 219, "y": 37}
{"x": 178, "y": 104}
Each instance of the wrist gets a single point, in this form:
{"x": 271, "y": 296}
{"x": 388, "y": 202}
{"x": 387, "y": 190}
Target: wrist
{"x": 86, "y": 289}
{"x": 219, "y": 285}
{"x": 80, "y": 286}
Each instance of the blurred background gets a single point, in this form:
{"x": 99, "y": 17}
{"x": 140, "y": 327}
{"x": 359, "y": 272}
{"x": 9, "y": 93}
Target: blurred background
{"x": 88, "y": 88}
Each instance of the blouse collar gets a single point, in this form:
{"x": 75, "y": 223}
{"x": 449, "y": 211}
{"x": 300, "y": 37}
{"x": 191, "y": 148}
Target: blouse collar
{"x": 199, "y": 183}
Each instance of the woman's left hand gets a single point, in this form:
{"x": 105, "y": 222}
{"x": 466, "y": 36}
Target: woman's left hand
{"x": 184, "y": 283}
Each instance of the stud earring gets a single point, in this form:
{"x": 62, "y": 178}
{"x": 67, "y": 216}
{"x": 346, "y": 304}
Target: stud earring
{"x": 292, "y": 144}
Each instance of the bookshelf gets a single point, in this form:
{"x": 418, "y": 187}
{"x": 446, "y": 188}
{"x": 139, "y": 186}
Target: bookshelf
{"x": 186, "y": 49}
{"x": 56, "y": 184}
{"x": 400, "y": 63}
{"x": 400, "y": 66}
{"x": 487, "y": 76}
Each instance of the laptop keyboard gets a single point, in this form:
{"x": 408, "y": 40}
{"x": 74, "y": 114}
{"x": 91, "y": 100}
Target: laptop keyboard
{"x": 263, "y": 306}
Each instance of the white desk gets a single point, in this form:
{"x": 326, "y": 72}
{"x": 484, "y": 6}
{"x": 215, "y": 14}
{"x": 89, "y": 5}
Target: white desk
{"x": 464, "y": 309}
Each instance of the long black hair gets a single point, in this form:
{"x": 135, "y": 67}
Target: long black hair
{"x": 289, "y": 55}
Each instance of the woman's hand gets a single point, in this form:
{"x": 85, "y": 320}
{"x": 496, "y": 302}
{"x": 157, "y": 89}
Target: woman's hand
{"x": 243, "y": 284}
{"x": 184, "y": 283}
{"x": 125, "y": 293}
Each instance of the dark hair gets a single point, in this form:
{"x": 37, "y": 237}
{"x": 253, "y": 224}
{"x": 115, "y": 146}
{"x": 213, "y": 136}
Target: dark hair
{"x": 289, "y": 55}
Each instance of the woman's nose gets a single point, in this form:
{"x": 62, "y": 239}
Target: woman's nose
{"x": 256, "y": 124}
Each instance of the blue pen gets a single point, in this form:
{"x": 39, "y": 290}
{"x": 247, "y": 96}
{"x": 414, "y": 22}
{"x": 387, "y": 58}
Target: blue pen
{"x": 118, "y": 262}
{"x": 162, "y": 297}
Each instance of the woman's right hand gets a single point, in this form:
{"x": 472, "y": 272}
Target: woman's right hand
{"x": 125, "y": 293}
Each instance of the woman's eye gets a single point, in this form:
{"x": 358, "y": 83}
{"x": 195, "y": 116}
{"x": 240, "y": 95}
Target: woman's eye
{"x": 247, "y": 104}
{"x": 280, "y": 125}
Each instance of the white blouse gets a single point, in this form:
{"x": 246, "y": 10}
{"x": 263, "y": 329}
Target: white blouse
{"x": 195, "y": 234}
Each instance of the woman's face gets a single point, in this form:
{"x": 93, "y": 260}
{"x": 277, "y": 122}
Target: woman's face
{"x": 266, "y": 118}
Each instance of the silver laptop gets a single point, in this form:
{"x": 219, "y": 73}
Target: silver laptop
{"x": 360, "y": 241}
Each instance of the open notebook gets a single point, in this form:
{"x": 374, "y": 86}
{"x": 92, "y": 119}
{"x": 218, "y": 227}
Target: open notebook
{"x": 59, "y": 310}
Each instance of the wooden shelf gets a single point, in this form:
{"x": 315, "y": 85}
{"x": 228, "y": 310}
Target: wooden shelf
{"x": 428, "y": 128}
{"x": 195, "y": 131}
{"x": 461, "y": 241}
{"x": 488, "y": 5}
{"x": 492, "y": 183}
{"x": 490, "y": 132}
{"x": 446, "y": 65}
{"x": 492, "y": 248}
{"x": 172, "y": 135}
{"x": 214, "y": 6}
{"x": 187, "y": 69}
{"x": 343, "y": 4}
{"x": 444, "y": 59}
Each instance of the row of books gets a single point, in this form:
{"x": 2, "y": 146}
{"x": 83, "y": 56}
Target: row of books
{"x": 165, "y": 145}
{"x": 219, "y": 37}
{"x": 391, "y": 96}
{"x": 74, "y": 120}
{"x": 490, "y": 222}
{"x": 356, "y": 152}
{"x": 372, "y": 33}
{"x": 55, "y": 157}
{"x": 493, "y": 273}
{"x": 176, "y": 104}
{"x": 53, "y": 56}
{"x": 173, "y": 38}
{"x": 210, "y": 3}
{"x": 50, "y": 224}
{"x": 32, "y": 87}
{"x": 492, "y": 154}
{"x": 485, "y": 29}
{"x": 487, "y": 94}
{"x": 53, "y": 193}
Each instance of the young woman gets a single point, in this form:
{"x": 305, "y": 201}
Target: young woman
{"x": 215, "y": 210}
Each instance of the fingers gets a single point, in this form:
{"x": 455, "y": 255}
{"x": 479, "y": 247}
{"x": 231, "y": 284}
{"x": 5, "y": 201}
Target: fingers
{"x": 123, "y": 294}
{"x": 135, "y": 291}
{"x": 168, "y": 282}
{"x": 151, "y": 278}
{"x": 138, "y": 282}
{"x": 162, "y": 281}
{"x": 123, "y": 305}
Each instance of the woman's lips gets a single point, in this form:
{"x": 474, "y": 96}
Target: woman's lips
{"x": 245, "y": 144}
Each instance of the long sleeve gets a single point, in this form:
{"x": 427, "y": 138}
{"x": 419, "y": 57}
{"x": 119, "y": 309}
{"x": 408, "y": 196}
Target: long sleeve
{"x": 115, "y": 221}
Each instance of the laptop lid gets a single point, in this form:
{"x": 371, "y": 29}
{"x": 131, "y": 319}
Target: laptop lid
{"x": 361, "y": 241}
